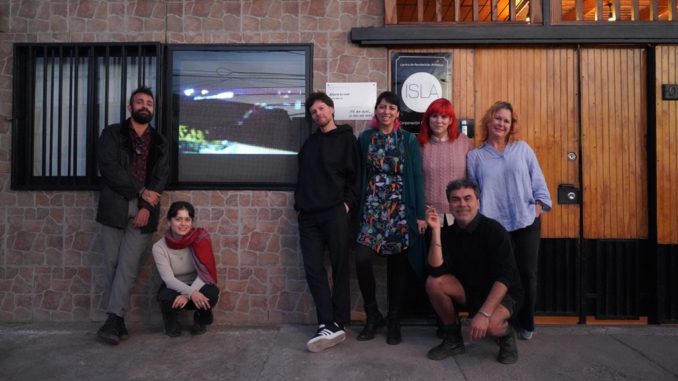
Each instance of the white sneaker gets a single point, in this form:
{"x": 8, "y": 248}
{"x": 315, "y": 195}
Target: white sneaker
{"x": 327, "y": 336}
{"x": 525, "y": 334}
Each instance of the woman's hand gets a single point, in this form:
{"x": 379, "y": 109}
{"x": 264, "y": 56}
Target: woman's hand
{"x": 180, "y": 302}
{"x": 538, "y": 209}
{"x": 201, "y": 301}
{"x": 421, "y": 224}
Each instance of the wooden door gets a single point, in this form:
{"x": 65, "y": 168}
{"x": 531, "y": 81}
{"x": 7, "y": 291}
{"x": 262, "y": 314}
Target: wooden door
{"x": 614, "y": 127}
{"x": 541, "y": 84}
{"x": 666, "y": 141}
{"x": 615, "y": 249}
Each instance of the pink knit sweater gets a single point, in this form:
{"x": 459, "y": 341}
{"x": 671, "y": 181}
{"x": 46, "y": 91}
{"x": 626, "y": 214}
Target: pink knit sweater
{"x": 443, "y": 162}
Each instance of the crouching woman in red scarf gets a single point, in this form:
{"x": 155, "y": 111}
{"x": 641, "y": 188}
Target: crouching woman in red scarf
{"x": 187, "y": 267}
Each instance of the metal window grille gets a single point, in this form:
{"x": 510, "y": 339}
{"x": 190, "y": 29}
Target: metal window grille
{"x": 64, "y": 95}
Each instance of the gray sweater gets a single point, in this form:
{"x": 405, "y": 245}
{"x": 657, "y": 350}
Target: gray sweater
{"x": 176, "y": 268}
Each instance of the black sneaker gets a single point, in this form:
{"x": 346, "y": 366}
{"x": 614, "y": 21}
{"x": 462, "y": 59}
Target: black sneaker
{"x": 206, "y": 317}
{"x": 122, "y": 330}
{"x": 198, "y": 325}
{"x": 108, "y": 333}
{"x": 175, "y": 331}
{"x": 508, "y": 348}
{"x": 327, "y": 336}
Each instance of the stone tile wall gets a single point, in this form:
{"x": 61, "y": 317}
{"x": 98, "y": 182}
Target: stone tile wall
{"x": 50, "y": 266}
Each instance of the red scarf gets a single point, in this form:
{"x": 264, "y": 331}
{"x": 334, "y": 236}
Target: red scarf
{"x": 200, "y": 242}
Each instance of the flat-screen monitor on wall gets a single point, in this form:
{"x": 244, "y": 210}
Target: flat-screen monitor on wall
{"x": 237, "y": 113}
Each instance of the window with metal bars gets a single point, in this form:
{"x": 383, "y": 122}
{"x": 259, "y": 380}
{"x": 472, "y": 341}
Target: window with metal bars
{"x": 64, "y": 95}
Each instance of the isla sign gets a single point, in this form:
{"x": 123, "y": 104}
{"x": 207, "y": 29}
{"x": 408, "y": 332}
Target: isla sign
{"x": 419, "y": 79}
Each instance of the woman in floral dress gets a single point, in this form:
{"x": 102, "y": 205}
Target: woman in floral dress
{"x": 392, "y": 214}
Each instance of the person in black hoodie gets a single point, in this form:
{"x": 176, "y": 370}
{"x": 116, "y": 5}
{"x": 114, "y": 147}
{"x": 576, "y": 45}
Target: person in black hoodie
{"x": 326, "y": 193}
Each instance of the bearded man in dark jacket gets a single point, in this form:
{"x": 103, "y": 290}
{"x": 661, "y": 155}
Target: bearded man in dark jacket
{"x": 134, "y": 165}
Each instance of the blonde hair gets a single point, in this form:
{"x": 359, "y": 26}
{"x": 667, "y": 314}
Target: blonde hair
{"x": 489, "y": 115}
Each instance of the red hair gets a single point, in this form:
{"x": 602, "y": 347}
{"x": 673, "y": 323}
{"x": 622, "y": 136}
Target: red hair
{"x": 443, "y": 107}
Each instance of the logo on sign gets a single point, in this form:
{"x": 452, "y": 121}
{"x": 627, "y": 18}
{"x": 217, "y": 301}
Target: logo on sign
{"x": 419, "y": 90}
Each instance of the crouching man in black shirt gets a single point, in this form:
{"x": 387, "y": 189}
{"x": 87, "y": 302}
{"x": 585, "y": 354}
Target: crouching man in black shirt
{"x": 472, "y": 265}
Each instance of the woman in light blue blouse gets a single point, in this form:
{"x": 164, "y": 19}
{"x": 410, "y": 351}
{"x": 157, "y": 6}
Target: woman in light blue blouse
{"x": 512, "y": 191}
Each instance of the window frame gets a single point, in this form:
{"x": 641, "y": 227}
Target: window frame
{"x": 24, "y": 106}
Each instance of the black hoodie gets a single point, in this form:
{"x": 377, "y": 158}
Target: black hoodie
{"x": 329, "y": 167}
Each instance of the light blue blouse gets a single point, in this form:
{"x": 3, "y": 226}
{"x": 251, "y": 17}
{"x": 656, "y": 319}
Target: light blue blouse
{"x": 510, "y": 182}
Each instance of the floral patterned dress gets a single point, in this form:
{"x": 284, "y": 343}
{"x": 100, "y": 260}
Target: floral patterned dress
{"x": 383, "y": 225}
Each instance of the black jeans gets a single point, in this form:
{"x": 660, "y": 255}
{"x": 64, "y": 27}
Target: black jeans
{"x": 396, "y": 272}
{"x": 166, "y": 297}
{"x": 526, "y": 250}
{"x": 328, "y": 229}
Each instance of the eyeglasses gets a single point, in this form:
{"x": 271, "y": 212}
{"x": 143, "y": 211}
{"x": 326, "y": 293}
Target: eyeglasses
{"x": 138, "y": 146}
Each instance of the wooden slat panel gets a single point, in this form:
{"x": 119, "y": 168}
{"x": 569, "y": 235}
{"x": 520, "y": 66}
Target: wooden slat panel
{"x": 547, "y": 114}
{"x": 535, "y": 12}
{"x": 390, "y": 12}
{"x": 613, "y": 143}
{"x": 667, "y": 141}
{"x": 463, "y": 86}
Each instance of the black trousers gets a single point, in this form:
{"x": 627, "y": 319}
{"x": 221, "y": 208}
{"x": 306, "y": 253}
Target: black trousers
{"x": 526, "y": 250}
{"x": 396, "y": 278}
{"x": 166, "y": 297}
{"x": 327, "y": 229}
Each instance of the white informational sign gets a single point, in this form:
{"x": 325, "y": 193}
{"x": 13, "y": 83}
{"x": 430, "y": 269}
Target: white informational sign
{"x": 352, "y": 100}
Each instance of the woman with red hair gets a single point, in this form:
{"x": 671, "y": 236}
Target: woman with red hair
{"x": 443, "y": 150}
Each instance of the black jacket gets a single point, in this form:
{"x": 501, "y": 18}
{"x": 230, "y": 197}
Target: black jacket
{"x": 329, "y": 165}
{"x": 114, "y": 157}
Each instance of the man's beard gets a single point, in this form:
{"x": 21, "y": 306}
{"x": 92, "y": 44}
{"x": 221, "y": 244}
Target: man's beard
{"x": 142, "y": 118}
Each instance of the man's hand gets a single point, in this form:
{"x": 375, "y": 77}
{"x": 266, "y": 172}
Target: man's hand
{"x": 141, "y": 219}
{"x": 479, "y": 326}
{"x": 432, "y": 219}
{"x": 151, "y": 197}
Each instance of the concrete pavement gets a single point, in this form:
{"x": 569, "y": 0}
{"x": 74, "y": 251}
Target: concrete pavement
{"x": 68, "y": 351}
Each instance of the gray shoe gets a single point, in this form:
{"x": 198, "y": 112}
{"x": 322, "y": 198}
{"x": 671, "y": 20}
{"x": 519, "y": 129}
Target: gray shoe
{"x": 508, "y": 348}
{"x": 108, "y": 333}
{"x": 453, "y": 343}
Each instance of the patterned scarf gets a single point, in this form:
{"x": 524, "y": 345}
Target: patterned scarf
{"x": 200, "y": 242}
